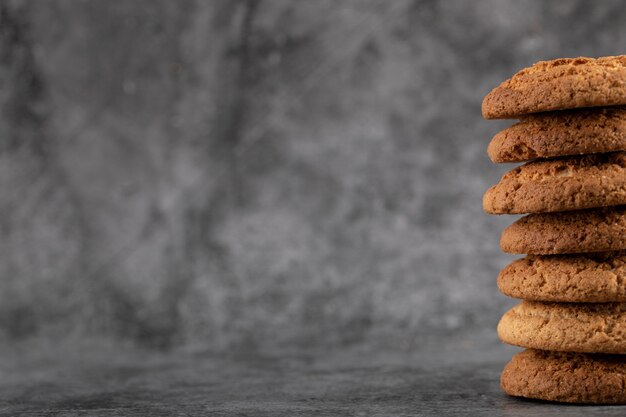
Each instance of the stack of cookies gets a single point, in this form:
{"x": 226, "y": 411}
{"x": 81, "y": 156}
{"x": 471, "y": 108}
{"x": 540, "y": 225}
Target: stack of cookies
{"x": 572, "y": 189}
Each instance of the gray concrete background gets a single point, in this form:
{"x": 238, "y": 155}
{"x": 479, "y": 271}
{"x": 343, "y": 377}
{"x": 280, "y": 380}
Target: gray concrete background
{"x": 261, "y": 176}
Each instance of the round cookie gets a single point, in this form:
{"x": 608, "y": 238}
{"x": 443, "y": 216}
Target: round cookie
{"x": 560, "y": 84}
{"x": 566, "y": 377}
{"x": 588, "y": 278}
{"x": 592, "y": 230}
{"x": 566, "y": 327}
{"x": 570, "y": 183}
{"x": 561, "y": 133}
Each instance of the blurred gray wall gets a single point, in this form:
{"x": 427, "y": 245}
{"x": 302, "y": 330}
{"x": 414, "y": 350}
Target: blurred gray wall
{"x": 260, "y": 175}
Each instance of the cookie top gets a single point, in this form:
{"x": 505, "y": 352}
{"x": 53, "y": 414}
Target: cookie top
{"x": 569, "y": 183}
{"x": 566, "y": 377}
{"x": 560, "y": 84}
{"x": 588, "y": 278}
{"x": 592, "y": 230}
{"x": 561, "y": 133}
{"x": 566, "y": 327}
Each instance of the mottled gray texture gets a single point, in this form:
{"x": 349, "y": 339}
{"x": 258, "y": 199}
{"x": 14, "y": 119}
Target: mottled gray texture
{"x": 133, "y": 384}
{"x": 261, "y": 176}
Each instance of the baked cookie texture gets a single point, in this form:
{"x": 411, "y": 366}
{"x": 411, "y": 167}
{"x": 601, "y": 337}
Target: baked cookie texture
{"x": 561, "y": 133}
{"x": 566, "y": 377}
{"x": 566, "y": 327}
{"x": 560, "y": 84}
{"x": 588, "y": 278}
{"x": 593, "y": 230}
{"x": 563, "y": 184}
{"x": 572, "y": 188}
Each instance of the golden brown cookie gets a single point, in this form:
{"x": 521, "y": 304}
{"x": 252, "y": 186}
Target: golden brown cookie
{"x": 566, "y": 327}
{"x": 561, "y": 133}
{"x": 588, "y": 278}
{"x": 592, "y": 230}
{"x": 566, "y": 377}
{"x": 563, "y": 184}
{"x": 565, "y": 83}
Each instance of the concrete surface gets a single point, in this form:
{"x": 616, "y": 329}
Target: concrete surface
{"x": 260, "y": 174}
{"x": 320, "y": 384}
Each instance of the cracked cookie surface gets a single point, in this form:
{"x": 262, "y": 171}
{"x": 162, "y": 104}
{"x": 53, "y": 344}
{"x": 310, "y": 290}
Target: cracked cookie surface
{"x": 564, "y": 184}
{"x": 587, "y": 278}
{"x": 560, "y": 84}
{"x": 566, "y": 377}
{"x": 582, "y": 231}
{"x": 566, "y": 327}
{"x": 561, "y": 133}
